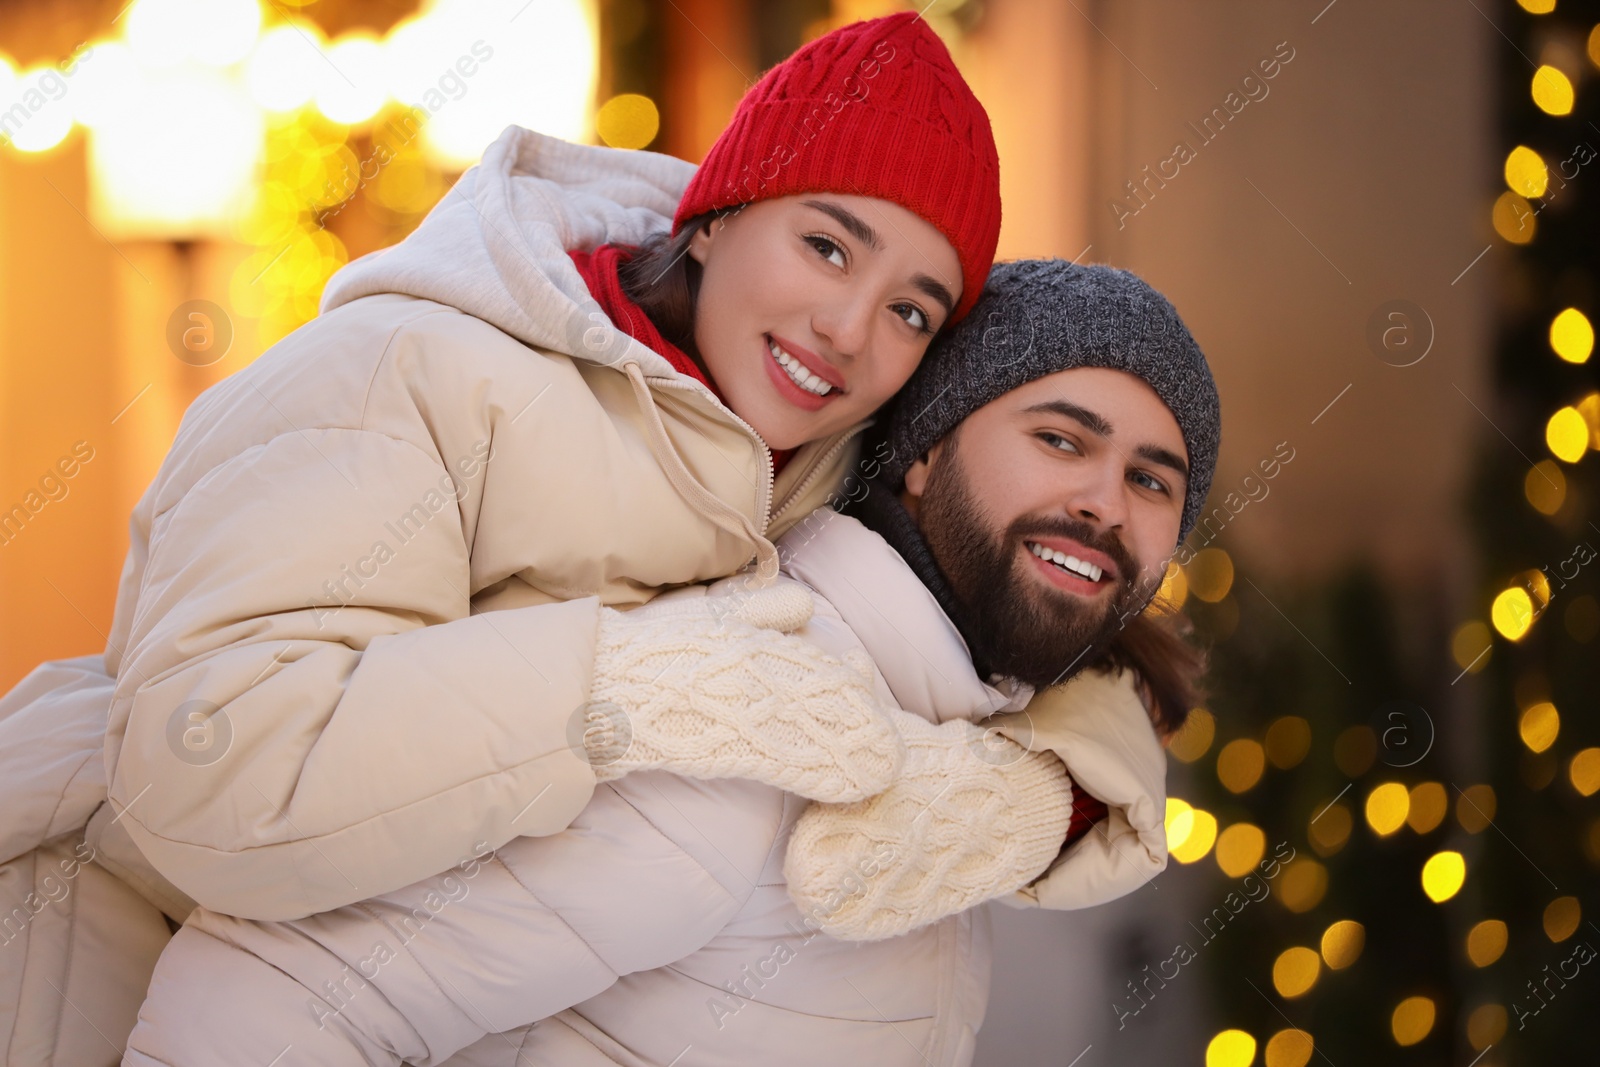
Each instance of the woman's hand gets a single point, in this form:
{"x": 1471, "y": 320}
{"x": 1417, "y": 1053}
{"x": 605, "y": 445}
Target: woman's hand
{"x": 715, "y": 687}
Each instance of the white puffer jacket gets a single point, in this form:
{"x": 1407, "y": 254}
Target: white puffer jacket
{"x": 657, "y": 929}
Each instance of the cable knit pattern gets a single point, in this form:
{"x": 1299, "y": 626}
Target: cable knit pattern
{"x": 710, "y": 687}
{"x": 973, "y": 816}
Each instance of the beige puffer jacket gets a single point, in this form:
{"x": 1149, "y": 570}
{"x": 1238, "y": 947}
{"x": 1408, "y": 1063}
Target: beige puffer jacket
{"x": 657, "y": 929}
{"x": 361, "y": 602}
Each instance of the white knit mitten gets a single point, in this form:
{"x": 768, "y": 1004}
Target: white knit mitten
{"x": 711, "y": 687}
{"x": 973, "y": 816}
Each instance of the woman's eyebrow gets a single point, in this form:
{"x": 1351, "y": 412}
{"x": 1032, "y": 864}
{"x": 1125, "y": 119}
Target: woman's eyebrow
{"x": 858, "y": 227}
{"x": 862, "y": 231}
{"x": 1100, "y": 426}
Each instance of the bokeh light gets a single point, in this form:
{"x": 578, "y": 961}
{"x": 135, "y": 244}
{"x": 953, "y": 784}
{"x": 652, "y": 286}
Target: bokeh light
{"x": 1342, "y": 944}
{"x": 1443, "y": 875}
{"x": 1427, "y": 806}
{"x": 1514, "y": 219}
{"x": 1486, "y": 1025}
{"x": 1412, "y": 1020}
{"x": 1288, "y": 741}
{"x": 1329, "y": 829}
{"x": 1584, "y": 771}
{"x": 628, "y": 120}
{"x": 1240, "y": 764}
{"x": 1526, "y": 173}
{"x": 1552, "y": 91}
{"x": 1545, "y": 486}
{"x": 1210, "y": 574}
{"x": 1539, "y": 726}
{"x": 1239, "y": 848}
{"x": 1302, "y": 884}
{"x": 1231, "y": 1048}
{"x": 1567, "y": 435}
{"x": 1475, "y": 808}
{"x": 1295, "y": 971}
{"x": 1486, "y": 942}
{"x": 1572, "y": 336}
{"x": 1470, "y": 646}
{"x": 1561, "y": 918}
{"x": 1387, "y": 806}
{"x": 1194, "y": 737}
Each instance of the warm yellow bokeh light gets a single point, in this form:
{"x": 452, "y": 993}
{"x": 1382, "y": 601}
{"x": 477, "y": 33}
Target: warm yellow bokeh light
{"x": 1288, "y": 741}
{"x": 1194, "y": 737}
{"x": 1514, "y": 218}
{"x": 1572, "y": 336}
{"x": 1567, "y": 435}
{"x": 1486, "y": 942}
{"x": 1174, "y": 586}
{"x": 1342, "y": 944}
{"x": 1443, "y": 875}
{"x": 1210, "y": 574}
{"x": 1486, "y": 1025}
{"x": 1179, "y": 821}
{"x": 1239, "y": 848}
{"x": 1329, "y": 829}
{"x": 1240, "y": 763}
{"x": 1428, "y": 806}
{"x": 1545, "y": 486}
{"x": 1198, "y": 841}
{"x": 1295, "y": 971}
{"x": 1526, "y": 173}
{"x": 1552, "y": 91}
{"x": 1539, "y": 726}
{"x": 1594, "y": 42}
{"x": 1538, "y": 7}
{"x": 1412, "y": 1020}
{"x": 1231, "y": 1048}
{"x": 1561, "y": 918}
{"x": 1470, "y": 645}
{"x": 1512, "y": 612}
{"x": 1289, "y": 1048}
{"x": 1584, "y": 770}
{"x": 1302, "y": 884}
{"x": 628, "y": 120}
{"x": 1475, "y": 808}
{"x": 1589, "y": 408}
{"x": 1387, "y": 806}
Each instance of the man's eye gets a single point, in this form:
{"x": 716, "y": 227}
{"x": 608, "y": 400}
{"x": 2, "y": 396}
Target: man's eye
{"x": 827, "y": 249}
{"x": 1055, "y": 440}
{"x": 1151, "y": 481}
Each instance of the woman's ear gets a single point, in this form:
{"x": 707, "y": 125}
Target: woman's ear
{"x": 700, "y": 243}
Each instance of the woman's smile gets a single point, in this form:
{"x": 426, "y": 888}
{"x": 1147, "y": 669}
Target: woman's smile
{"x": 801, "y": 377}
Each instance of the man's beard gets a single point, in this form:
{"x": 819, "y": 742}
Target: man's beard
{"x": 1016, "y": 625}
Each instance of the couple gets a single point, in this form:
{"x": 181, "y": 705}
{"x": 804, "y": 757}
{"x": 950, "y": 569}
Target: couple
{"x": 334, "y": 679}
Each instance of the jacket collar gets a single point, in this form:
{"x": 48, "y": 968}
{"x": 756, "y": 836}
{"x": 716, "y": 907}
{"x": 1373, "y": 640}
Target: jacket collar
{"x": 916, "y": 647}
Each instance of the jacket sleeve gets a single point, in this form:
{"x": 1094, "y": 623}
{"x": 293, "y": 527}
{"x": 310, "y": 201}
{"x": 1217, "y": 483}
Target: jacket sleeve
{"x": 51, "y": 725}
{"x": 307, "y": 712}
{"x": 654, "y": 869}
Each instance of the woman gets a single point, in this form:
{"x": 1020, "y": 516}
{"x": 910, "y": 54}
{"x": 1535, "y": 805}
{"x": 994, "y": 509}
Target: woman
{"x": 367, "y": 595}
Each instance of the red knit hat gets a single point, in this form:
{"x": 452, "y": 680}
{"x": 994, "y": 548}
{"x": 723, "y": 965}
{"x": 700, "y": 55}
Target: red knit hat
{"x": 877, "y": 109}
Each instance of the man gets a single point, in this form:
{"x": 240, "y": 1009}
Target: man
{"x": 1020, "y": 518}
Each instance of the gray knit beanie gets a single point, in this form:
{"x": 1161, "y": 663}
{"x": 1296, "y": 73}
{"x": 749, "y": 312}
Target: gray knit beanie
{"x": 1040, "y": 316}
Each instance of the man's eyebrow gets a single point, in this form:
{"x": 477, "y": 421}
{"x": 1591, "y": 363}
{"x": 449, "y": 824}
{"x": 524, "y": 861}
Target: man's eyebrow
{"x": 1101, "y": 427}
{"x": 858, "y": 227}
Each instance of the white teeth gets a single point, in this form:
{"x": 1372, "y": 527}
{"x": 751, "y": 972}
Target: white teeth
{"x": 798, "y": 373}
{"x": 1065, "y": 562}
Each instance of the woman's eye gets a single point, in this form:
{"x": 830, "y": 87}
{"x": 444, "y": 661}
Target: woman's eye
{"x": 915, "y": 316}
{"x": 827, "y": 249}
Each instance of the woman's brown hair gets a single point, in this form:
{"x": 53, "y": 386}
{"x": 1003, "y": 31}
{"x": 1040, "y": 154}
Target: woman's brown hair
{"x": 1156, "y": 645}
{"x": 664, "y": 280}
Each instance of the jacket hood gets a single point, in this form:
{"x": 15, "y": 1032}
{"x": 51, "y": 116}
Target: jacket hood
{"x": 495, "y": 246}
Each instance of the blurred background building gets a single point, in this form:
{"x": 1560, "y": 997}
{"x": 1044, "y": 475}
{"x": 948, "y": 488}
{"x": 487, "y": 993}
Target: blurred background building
{"x": 1379, "y": 221}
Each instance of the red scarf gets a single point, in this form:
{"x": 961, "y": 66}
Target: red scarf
{"x": 599, "y": 270}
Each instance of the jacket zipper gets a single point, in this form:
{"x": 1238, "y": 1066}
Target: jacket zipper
{"x": 816, "y": 470}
